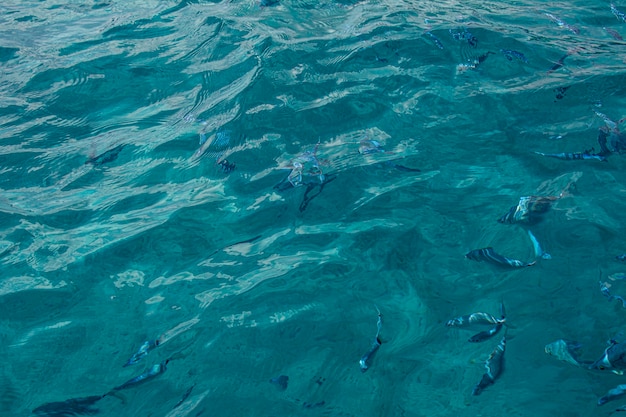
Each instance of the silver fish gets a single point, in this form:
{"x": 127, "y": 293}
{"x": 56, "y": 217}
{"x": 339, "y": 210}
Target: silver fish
{"x": 489, "y": 255}
{"x": 539, "y": 252}
{"x": 613, "y": 394}
{"x": 573, "y": 156}
{"x": 566, "y": 351}
{"x": 142, "y": 352}
{"x": 155, "y": 370}
{"x": 493, "y": 366}
{"x": 364, "y": 362}
{"x": 613, "y": 359}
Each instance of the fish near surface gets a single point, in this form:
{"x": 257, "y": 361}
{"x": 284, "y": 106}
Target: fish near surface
{"x": 493, "y": 366}
{"x": 490, "y": 256}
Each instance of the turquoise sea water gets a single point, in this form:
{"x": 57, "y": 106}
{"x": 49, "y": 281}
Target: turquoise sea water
{"x": 241, "y": 184}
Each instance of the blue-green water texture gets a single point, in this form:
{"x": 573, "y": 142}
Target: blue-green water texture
{"x": 268, "y": 208}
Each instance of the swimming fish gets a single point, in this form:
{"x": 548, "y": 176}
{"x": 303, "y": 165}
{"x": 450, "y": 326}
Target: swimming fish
{"x": 436, "y": 40}
{"x": 558, "y": 64}
{"x": 621, "y": 257}
{"x": 539, "y": 252}
{"x": 142, "y": 352}
{"x": 510, "y": 54}
{"x": 71, "y": 407}
{"x": 489, "y": 255}
{"x": 565, "y": 350}
{"x": 562, "y": 23}
{"x": 619, "y": 14}
{"x": 613, "y": 394}
{"x": 280, "y": 381}
{"x": 574, "y": 156}
{"x": 153, "y": 371}
{"x": 493, "y": 366}
{"x": 108, "y": 156}
{"x": 604, "y": 289}
{"x": 480, "y": 318}
{"x": 528, "y": 210}
{"x": 364, "y": 362}
{"x": 615, "y": 34}
{"x": 613, "y": 358}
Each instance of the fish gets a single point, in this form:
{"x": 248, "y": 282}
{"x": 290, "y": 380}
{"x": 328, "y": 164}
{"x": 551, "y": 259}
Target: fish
{"x": 280, "y": 381}
{"x": 615, "y": 34}
{"x": 617, "y": 13}
{"x": 566, "y": 351}
{"x": 464, "y": 34}
{"x": 366, "y": 359}
{"x": 558, "y": 64}
{"x": 575, "y": 156}
{"x": 621, "y": 257}
{"x": 436, "y": 40}
{"x": 613, "y": 359}
{"x": 108, "y": 156}
{"x": 489, "y": 255}
{"x": 539, "y": 252}
{"x": 604, "y": 289}
{"x": 152, "y": 372}
{"x": 494, "y": 366}
{"x": 142, "y": 352}
{"x": 562, "y": 23}
{"x": 510, "y": 54}
{"x": 613, "y": 394}
{"x": 71, "y": 407}
{"x": 480, "y": 318}
{"x": 528, "y": 209}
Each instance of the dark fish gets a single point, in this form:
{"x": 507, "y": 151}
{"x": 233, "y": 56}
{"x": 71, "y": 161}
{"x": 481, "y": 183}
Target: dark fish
{"x": 613, "y": 394}
{"x": 184, "y": 397}
{"x": 621, "y": 257}
{"x": 614, "y": 358}
{"x": 155, "y": 370}
{"x": 528, "y": 210}
{"x": 464, "y": 34}
{"x": 71, "y": 407}
{"x": 142, "y": 352}
{"x": 108, "y": 156}
{"x": 494, "y": 366}
{"x": 604, "y": 289}
{"x": 484, "y": 335}
{"x": 280, "y": 381}
{"x": 575, "y": 156}
{"x": 615, "y": 34}
{"x": 489, "y": 255}
{"x": 227, "y": 167}
{"x": 366, "y": 359}
{"x": 510, "y": 54}
{"x": 558, "y": 63}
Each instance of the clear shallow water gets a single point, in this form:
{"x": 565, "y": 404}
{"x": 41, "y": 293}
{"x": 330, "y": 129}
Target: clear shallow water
{"x": 242, "y": 282}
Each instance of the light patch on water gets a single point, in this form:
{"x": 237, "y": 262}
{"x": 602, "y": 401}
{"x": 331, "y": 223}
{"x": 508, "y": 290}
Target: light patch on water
{"x": 25, "y": 283}
{"x": 155, "y": 299}
{"x": 182, "y": 276}
{"x": 350, "y": 228}
{"x": 238, "y": 320}
{"x": 281, "y": 316}
{"x": 23, "y": 340}
{"x": 257, "y": 247}
{"x": 374, "y": 192}
{"x": 179, "y": 329}
{"x": 129, "y": 279}
{"x": 269, "y": 197}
